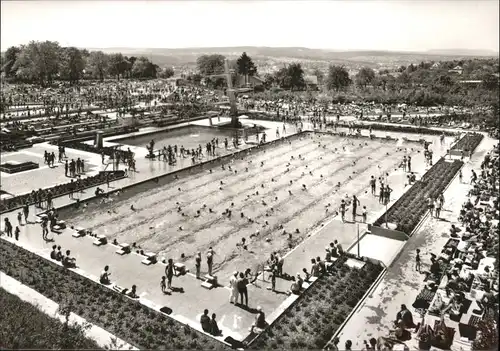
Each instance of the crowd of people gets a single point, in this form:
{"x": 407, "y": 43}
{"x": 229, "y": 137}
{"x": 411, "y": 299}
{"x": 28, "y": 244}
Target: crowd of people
{"x": 457, "y": 269}
{"x": 43, "y": 198}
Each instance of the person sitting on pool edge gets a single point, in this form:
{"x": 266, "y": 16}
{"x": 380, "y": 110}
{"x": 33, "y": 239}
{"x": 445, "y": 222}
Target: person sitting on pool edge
{"x": 104, "y": 278}
{"x": 205, "y": 321}
{"x": 214, "y": 328}
{"x": 133, "y": 292}
{"x": 260, "y": 322}
{"x": 68, "y": 261}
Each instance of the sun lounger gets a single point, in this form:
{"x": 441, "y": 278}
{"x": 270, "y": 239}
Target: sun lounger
{"x": 207, "y": 285}
{"x": 101, "y": 240}
{"x": 151, "y": 258}
{"x": 124, "y": 249}
{"x": 209, "y": 282}
{"x": 179, "y": 269}
{"x": 40, "y": 217}
{"x": 79, "y": 232}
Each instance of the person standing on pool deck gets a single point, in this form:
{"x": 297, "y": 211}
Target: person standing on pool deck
{"x": 355, "y": 203}
{"x": 169, "y": 272}
{"x": 437, "y": 207}
{"x": 233, "y": 284}
{"x": 342, "y": 210}
{"x": 198, "y": 264}
{"x": 242, "y": 288}
{"x": 26, "y": 211}
{"x": 210, "y": 260}
{"x": 373, "y": 185}
{"x": 387, "y": 194}
{"x": 409, "y": 164}
{"x": 417, "y": 261}
{"x": 381, "y": 194}
{"x": 430, "y": 206}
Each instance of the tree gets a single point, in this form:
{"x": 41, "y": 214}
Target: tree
{"x": 490, "y": 82}
{"x": 411, "y": 68}
{"x": 38, "y": 61}
{"x": 98, "y": 64}
{"x": 143, "y": 68}
{"x": 245, "y": 66}
{"x": 445, "y": 80}
{"x": 338, "y": 78}
{"x": 72, "y": 64}
{"x": 117, "y": 65}
{"x": 404, "y": 78}
{"x": 166, "y": 72}
{"x": 268, "y": 80}
{"x": 382, "y": 80}
{"x": 282, "y": 78}
{"x": 365, "y": 76}
{"x": 296, "y": 76}
{"x": 10, "y": 58}
{"x": 210, "y": 64}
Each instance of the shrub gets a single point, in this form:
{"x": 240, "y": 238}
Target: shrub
{"x": 23, "y": 326}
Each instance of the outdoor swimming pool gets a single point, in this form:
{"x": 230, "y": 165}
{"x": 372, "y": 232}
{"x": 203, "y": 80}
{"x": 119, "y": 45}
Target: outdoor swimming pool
{"x": 189, "y": 137}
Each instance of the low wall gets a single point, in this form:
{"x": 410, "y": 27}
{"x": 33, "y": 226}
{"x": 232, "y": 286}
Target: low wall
{"x": 455, "y": 153}
{"x": 16, "y": 168}
{"x": 387, "y": 233}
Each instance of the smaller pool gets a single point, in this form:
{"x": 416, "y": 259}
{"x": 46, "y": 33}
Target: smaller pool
{"x": 189, "y": 137}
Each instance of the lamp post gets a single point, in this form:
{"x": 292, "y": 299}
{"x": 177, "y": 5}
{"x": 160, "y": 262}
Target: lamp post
{"x": 359, "y": 255}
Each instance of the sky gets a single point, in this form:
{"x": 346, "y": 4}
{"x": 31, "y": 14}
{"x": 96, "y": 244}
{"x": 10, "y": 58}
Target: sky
{"x": 394, "y": 25}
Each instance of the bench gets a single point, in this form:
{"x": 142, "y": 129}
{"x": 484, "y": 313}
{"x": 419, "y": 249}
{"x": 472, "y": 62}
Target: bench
{"x": 124, "y": 249}
{"x": 101, "y": 240}
{"x": 151, "y": 258}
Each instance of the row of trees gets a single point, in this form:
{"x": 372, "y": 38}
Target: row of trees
{"x": 44, "y": 62}
{"x": 412, "y": 76}
{"x": 210, "y": 68}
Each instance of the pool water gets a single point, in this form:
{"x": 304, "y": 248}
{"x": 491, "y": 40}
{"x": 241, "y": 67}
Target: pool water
{"x": 189, "y": 137}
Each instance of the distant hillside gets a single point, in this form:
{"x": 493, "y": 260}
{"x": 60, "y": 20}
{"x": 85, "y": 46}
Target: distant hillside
{"x": 464, "y": 52}
{"x": 276, "y": 55}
